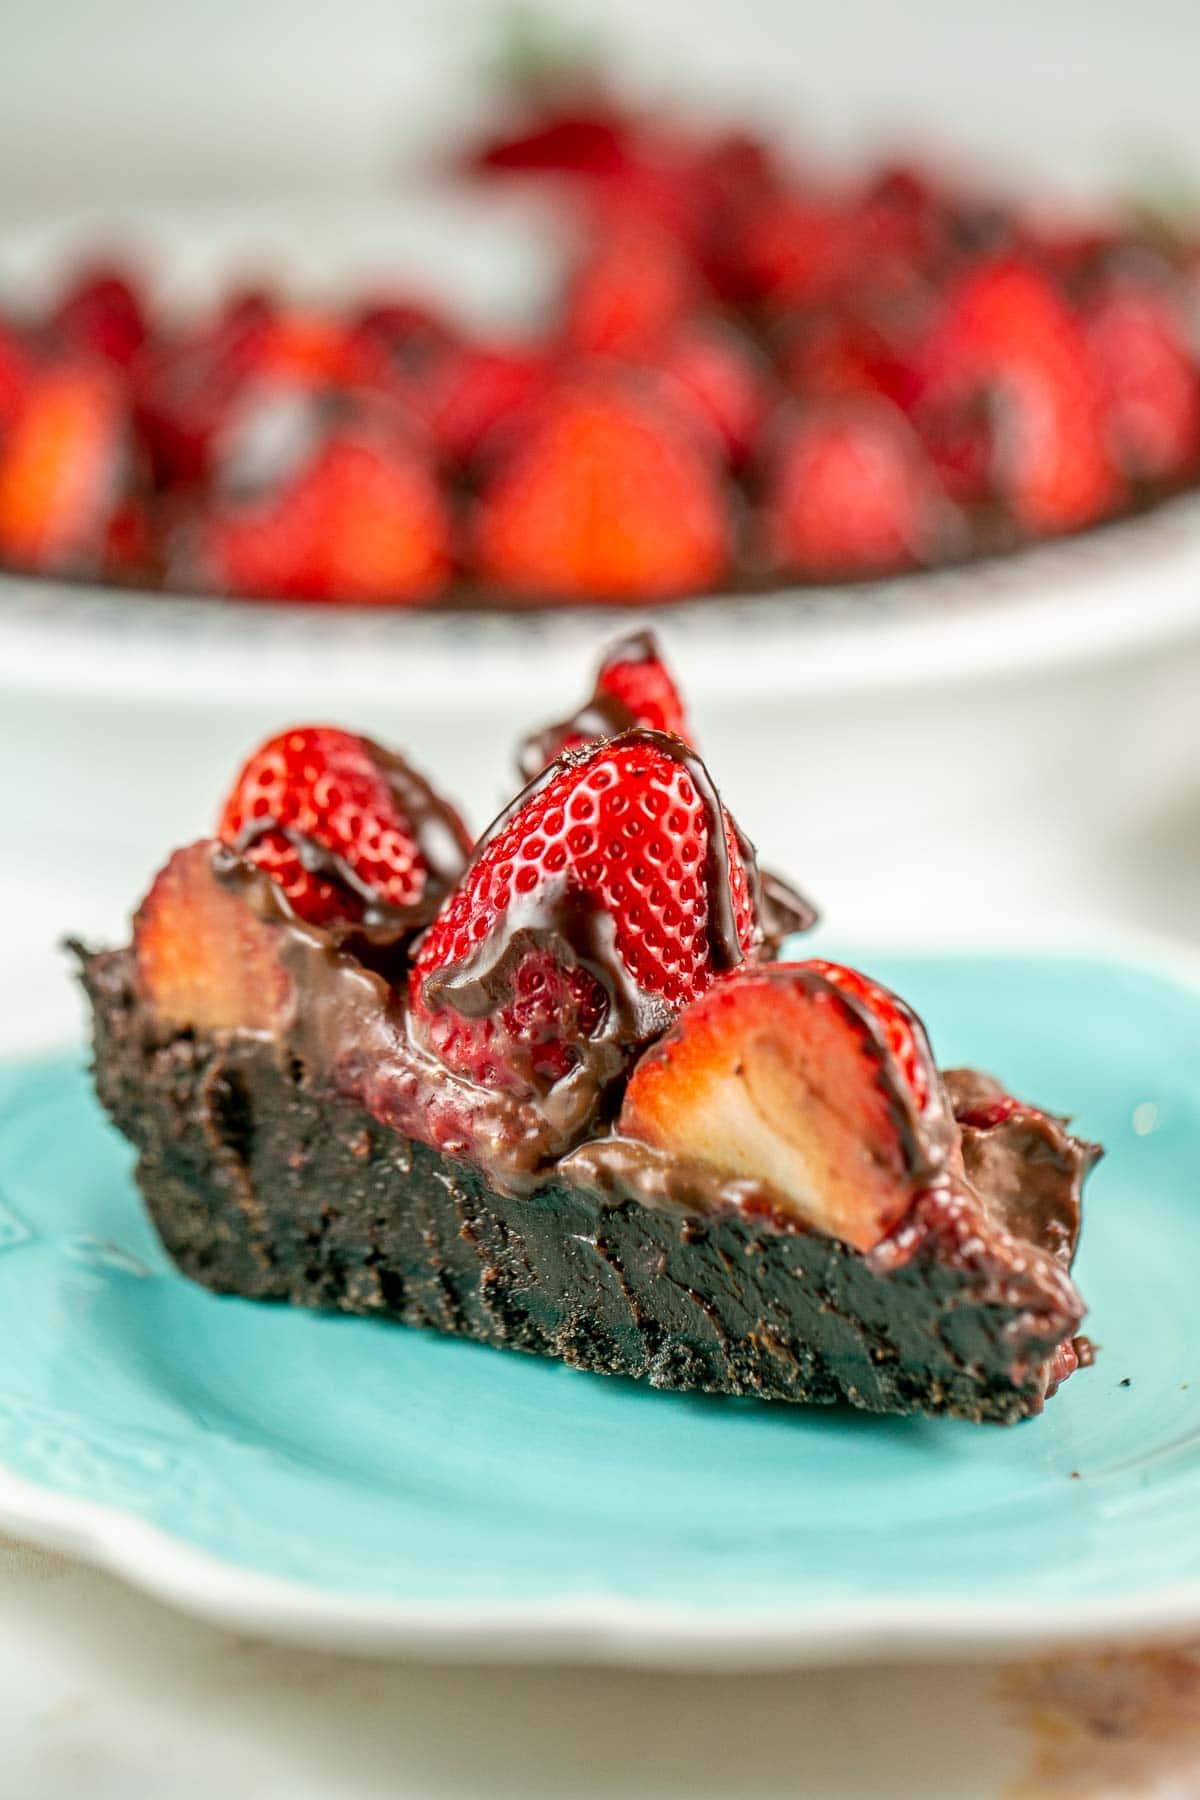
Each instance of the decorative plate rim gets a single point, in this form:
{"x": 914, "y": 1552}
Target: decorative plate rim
{"x": 599, "y": 1628}
{"x": 585, "y": 1628}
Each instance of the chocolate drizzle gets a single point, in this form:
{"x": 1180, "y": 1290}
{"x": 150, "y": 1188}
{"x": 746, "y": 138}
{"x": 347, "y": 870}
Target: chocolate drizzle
{"x": 783, "y": 911}
{"x": 603, "y": 716}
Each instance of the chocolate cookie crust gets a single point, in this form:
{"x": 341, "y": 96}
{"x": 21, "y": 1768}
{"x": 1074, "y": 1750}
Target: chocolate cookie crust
{"x": 263, "y": 1182}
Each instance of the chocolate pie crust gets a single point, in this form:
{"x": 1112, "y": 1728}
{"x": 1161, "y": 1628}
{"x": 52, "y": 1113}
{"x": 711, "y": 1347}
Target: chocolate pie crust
{"x": 265, "y": 1179}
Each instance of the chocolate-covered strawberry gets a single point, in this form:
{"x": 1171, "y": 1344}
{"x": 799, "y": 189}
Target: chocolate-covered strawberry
{"x": 346, "y": 829}
{"x": 634, "y": 687}
{"x": 613, "y": 892}
{"x": 809, "y": 1082}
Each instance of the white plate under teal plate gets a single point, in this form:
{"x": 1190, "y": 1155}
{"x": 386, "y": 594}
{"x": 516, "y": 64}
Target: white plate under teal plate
{"x": 344, "y": 1482}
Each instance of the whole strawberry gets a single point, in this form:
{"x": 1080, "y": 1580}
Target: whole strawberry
{"x": 633, "y": 688}
{"x": 612, "y": 892}
{"x": 345, "y": 828}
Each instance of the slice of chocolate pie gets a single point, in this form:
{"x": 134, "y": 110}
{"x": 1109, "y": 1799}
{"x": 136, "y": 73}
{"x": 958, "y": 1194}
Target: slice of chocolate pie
{"x": 557, "y": 1094}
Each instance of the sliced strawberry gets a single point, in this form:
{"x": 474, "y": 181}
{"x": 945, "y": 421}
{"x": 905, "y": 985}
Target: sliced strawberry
{"x": 594, "y": 909}
{"x": 796, "y": 249}
{"x": 16, "y": 374}
{"x": 1009, "y": 357}
{"x": 202, "y": 958}
{"x": 834, "y": 354}
{"x": 476, "y": 389}
{"x": 720, "y": 374}
{"x": 635, "y": 286}
{"x": 607, "y": 495}
{"x": 323, "y": 500}
{"x": 313, "y": 347}
{"x": 101, "y": 314}
{"x": 634, "y": 675}
{"x": 1149, "y": 382}
{"x": 579, "y": 136}
{"x": 63, "y": 467}
{"x": 345, "y": 828}
{"x": 186, "y": 387}
{"x": 633, "y": 688}
{"x": 850, "y": 491}
{"x": 807, "y": 1080}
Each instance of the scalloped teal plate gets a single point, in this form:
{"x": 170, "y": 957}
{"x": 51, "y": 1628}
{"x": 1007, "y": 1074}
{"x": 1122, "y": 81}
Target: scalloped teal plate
{"x": 339, "y": 1481}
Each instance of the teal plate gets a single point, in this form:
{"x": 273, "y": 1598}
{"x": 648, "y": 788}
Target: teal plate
{"x": 340, "y": 1481}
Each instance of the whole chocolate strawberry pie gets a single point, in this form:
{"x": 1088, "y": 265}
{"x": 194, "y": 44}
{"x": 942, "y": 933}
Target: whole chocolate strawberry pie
{"x": 753, "y": 373}
{"x": 562, "y": 1092}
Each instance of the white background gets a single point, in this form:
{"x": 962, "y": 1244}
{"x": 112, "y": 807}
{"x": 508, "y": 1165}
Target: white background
{"x": 151, "y": 100}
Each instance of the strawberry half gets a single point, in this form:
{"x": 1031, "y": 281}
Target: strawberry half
{"x": 633, "y": 688}
{"x": 635, "y": 284}
{"x": 1008, "y": 364}
{"x": 64, "y": 466}
{"x": 851, "y": 491}
{"x": 101, "y": 314}
{"x": 720, "y": 374}
{"x": 323, "y": 497}
{"x": 808, "y": 1080}
{"x": 595, "y": 908}
{"x": 608, "y": 494}
{"x": 203, "y": 960}
{"x": 1148, "y": 381}
{"x": 345, "y": 828}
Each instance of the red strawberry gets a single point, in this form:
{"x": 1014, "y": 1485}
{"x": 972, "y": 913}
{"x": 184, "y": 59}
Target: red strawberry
{"x": 202, "y": 959}
{"x": 811, "y": 1082}
{"x": 795, "y": 249}
{"x": 185, "y": 388}
{"x": 411, "y": 335}
{"x": 608, "y": 495}
{"x": 634, "y": 675}
{"x": 634, "y": 688}
{"x": 101, "y": 315}
{"x": 63, "y": 467}
{"x": 579, "y": 137}
{"x": 339, "y": 824}
{"x": 1009, "y": 344}
{"x": 635, "y": 285}
{"x": 477, "y": 389}
{"x": 16, "y": 374}
{"x": 1149, "y": 382}
{"x": 324, "y": 502}
{"x": 722, "y": 377}
{"x": 987, "y": 1114}
{"x": 850, "y": 491}
{"x": 836, "y": 355}
{"x": 130, "y": 542}
{"x": 594, "y": 909}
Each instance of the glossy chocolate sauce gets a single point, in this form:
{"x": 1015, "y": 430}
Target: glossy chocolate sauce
{"x": 603, "y": 716}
